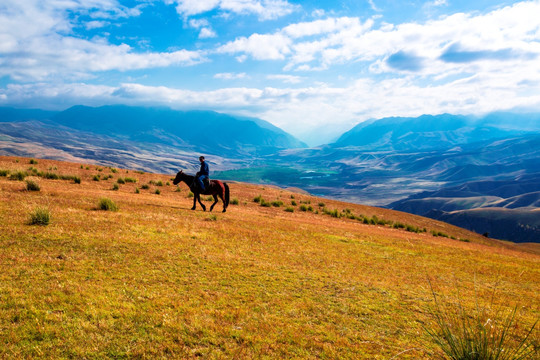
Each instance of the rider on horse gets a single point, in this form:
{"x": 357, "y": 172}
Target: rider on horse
{"x": 203, "y": 173}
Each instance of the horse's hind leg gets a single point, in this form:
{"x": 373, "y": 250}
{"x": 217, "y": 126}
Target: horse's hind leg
{"x": 215, "y": 202}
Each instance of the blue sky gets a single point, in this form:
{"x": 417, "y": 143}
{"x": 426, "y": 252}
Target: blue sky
{"x": 313, "y": 68}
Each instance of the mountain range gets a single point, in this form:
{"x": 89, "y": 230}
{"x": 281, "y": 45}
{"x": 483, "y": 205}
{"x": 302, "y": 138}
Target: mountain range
{"x": 425, "y": 165}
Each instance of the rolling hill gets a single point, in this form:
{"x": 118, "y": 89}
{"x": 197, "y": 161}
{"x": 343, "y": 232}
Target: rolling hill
{"x": 156, "y": 280}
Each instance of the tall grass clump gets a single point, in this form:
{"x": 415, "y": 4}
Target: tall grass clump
{"x": 107, "y": 205}
{"x": 33, "y": 161}
{"x": 4, "y": 172}
{"x": 234, "y": 201}
{"x": 40, "y": 216}
{"x": 32, "y": 185}
{"x": 18, "y": 175}
{"x": 484, "y": 332}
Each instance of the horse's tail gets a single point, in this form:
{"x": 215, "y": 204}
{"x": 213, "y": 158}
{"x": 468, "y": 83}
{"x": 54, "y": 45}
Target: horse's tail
{"x": 227, "y": 194}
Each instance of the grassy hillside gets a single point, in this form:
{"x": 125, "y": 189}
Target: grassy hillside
{"x": 156, "y": 280}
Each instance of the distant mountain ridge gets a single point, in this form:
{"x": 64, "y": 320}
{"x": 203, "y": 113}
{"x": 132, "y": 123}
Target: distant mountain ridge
{"x": 435, "y": 131}
{"x": 203, "y": 130}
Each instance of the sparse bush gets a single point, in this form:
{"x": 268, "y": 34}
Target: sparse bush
{"x": 107, "y": 205}
{"x": 277, "y": 203}
{"x": 96, "y": 177}
{"x": 32, "y": 185}
{"x": 113, "y": 170}
{"x": 157, "y": 192}
{"x": 178, "y": 189}
{"x": 115, "y": 187}
{"x": 33, "y": 161}
{"x": 137, "y": 191}
{"x": 258, "y": 199}
{"x": 234, "y": 201}
{"x": 168, "y": 183}
{"x": 190, "y": 194}
{"x": 209, "y": 198}
{"x": 145, "y": 187}
{"x": 292, "y": 196}
{"x": 49, "y": 175}
{"x": 303, "y": 207}
{"x": 120, "y": 180}
{"x": 321, "y": 204}
{"x": 465, "y": 240}
{"x": 289, "y": 209}
{"x": 40, "y": 216}
{"x": 76, "y": 179}
{"x": 4, "y": 172}
{"x": 212, "y": 217}
{"x": 18, "y": 175}
{"x": 265, "y": 203}
{"x": 293, "y": 203}
{"x": 485, "y": 332}
{"x": 439, "y": 233}
{"x": 159, "y": 183}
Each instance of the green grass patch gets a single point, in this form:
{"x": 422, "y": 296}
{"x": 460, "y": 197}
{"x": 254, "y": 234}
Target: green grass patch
{"x": 31, "y": 185}
{"x": 107, "y": 205}
{"x": 18, "y": 175}
{"x": 40, "y": 216}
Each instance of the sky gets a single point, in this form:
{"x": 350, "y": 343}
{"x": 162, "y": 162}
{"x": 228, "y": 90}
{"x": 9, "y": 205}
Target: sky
{"x": 313, "y": 68}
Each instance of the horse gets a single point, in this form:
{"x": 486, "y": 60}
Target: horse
{"x": 216, "y": 189}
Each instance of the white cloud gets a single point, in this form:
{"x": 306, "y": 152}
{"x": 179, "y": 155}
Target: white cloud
{"x": 230, "y": 76}
{"x": 263, "y": 9}
{"x": 37, "y": 42}
{"x": 260, "y": 47}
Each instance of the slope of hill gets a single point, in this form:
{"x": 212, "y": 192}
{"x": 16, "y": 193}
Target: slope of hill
{"x": 505, "y": 209}
{"x": 156, "y": 280}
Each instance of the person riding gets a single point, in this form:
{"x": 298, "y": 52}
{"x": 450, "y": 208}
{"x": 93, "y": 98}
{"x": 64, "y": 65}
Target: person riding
{"x": 203, "y": 173}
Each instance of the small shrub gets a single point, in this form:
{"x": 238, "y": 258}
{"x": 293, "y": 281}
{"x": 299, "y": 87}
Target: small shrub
{"x": 292, "y": 196}
{"x": 277, "y": 203}
{"x": 303, "y": 207}
{"x": 209, "y": 198}
{"x": 190, "y": 194}
{"x": 130, "y": 180}
{"x": 234, "y": 201}
{"x": 168, "y": 183}
{"x": 212, "y": 217}
{"x": 258, "y": 199}
{"x": 32, "y": 185}
{"x": 115, "y": 187}
{"x": 265, "y": 203}
{"x": 50, "y": 175}
{"x": 159, "y": 183}
{"x": 137, "y": 191}
{"x": 40, "y": 216}
{"x": 18, "y": 175}
{"x": 4, "y": 172}
{"x": 145, "y": 187}
{"x": 289, "y": 209}
{"x": 321, "y": 204}
{"x": 178, "y": 189}
{"x": 113, "y": 170}
{"x": 157, "y": 192}
{"x": 465, "y": 240}
{"x": 107, "y": 205}
{"x": 293, "y": 203}
{"x": 484, "y": 332}
{"x": 33, "y": 161}
{"x": 76, "y": 179}
{"x": 96, "y": 177}
{"x": 120, "y": 181}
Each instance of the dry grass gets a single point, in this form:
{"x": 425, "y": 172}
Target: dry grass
{"x": 156, "y": 280}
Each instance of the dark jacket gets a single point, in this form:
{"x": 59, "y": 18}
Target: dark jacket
{"x": 205, "y": 170}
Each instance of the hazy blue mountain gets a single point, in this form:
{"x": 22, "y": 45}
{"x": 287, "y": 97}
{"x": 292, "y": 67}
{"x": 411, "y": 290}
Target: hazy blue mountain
{"x": 8, "y": 114}
{"x": 201, "y": 130}
{"x": 435, "y": 131}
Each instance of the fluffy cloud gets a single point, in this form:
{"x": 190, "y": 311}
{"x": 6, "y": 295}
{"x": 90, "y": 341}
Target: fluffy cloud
{"x": 263, "y": 9}
{"x": 37, "y": 42}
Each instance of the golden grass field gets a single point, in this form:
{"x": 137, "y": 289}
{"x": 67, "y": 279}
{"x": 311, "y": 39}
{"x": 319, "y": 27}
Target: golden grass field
{"x": 157, "y": 280}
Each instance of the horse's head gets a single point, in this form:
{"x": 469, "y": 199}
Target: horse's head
{"x": 178, "y": 178}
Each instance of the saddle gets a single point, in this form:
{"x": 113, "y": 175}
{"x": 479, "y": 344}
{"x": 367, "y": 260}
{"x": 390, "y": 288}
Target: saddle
{"x": 195, "y": 185}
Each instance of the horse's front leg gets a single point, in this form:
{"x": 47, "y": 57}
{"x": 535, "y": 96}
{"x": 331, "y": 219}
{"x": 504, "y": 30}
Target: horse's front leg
{"x": 199, "y": 199}
{"x": 194, "y": 201}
